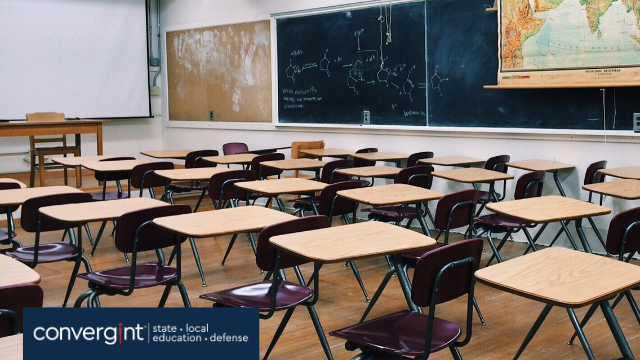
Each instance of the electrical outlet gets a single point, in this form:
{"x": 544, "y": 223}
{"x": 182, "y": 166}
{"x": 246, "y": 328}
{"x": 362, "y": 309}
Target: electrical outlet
{"x": 366, "y": 117}
{"x": 211, "y": 115}
{"x": 636, "y": 122}
{"x": 155, "y": 91}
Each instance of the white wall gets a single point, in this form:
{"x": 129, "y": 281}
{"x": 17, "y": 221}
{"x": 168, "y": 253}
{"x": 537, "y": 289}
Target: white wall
{"x": 578, "y": 148}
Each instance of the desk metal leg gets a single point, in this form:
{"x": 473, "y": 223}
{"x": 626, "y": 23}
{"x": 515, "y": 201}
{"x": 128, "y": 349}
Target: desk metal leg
{"x": 421, "y": 220}
{"x": 375, "y": 297}
{"x": 583, "y": 339}
{"x": 555, "y": 178}
{"x": 566, "y": 230}
{"x": 583, "y": 238}
{"x": 615, "y": 329}
{"x": 533, "y": 330}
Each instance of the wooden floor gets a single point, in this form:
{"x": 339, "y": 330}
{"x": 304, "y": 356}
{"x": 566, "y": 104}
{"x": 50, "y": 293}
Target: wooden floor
{"x": 341, "y": 304}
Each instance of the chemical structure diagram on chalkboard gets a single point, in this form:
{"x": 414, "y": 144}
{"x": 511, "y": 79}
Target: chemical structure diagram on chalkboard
{"x": 364, "y": 67}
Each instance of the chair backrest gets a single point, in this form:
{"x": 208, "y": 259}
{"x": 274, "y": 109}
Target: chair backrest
{"x": 9, "y": 186}
{"x": 31, "y": 210}
{"x": 592, "y": 176}
{"x": 44, "y": 117}
{"x": 266, "y": 253}
{"x": 143, "y": 176}
{"x": 234, "y": 148}
{"x": 455, "y": 210}
{"x": 262, "y": 172}
{"x": 331, "y": 204}
{"x": 221, "y": 185}
{"x": 296, "y": 146}
{"x": 16, "y": 298}
{"x": 360, "y": 162}
{"x": 454, "y": 282}
{"x": 624, "y": 233}
{"x": 193, "y": 159}
{"x": 150, "y": 237}
{"x": 417, "y": 176}
{"x": 329, "y": 176}
{"x": 529, "y": 185}
{"x": 498, "y": 163}
{"x": 113, "y": 176}
{"x": 413, "y": 158}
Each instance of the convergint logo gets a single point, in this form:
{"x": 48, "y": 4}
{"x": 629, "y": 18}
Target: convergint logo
{"x": 109, "y": 335}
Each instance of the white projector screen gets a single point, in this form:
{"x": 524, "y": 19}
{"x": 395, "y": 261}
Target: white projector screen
{"x": 86, "y": 58}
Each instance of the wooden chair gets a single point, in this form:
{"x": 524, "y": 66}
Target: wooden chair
{"x": 296, "y": 146}
{"x": 40, "y": 152}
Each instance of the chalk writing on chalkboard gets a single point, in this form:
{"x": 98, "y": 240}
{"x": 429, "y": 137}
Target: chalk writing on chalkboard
{"x": 334, "y": 66}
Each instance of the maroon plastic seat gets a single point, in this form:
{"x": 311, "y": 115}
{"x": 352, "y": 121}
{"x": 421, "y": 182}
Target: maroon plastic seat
{"x": 528, "y": 185}
{"x": 116, "y": 176}
{"x": 234, "y": 148}
{"x": 592, "y": 176}
{"x": 13, "y": 299}
{"x": 222, "y": 191}
{"x": 441, "y": 275}
{"x": 413, "y": 158}
{"x": 33, "y": 222}
{"x": 499, "y": 164}
{"x": 360, "y": 163}
{"x": 135, "y": 233}
{"x": 193, "y": 160}
{"x": 147, "y": 275}
{"x": 4, "y": 232}
{"x": 263, "y": 172}
{"x": 261, "y": 295}
{"x": 417, "y": 176}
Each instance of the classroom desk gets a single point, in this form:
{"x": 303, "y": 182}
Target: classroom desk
{"x": 552, "y": 208}
{"x": 16, "y": 273}
{"x": 243, "y": 159}
{"x": 293, "y": 186}
{"x": 192, "y": 175}
{"x": 565, "y": 278}
{"x": 381, "y": 156}
{"x": 266, "y": 151}
{"x": 296, "y": 164}
{"x": 629, "y": 172}
{"x": 353, "y": 242}
{"x": 11, "y": 347}
{"x": 167, "y": 154}
{"x": 463, "y": 161}
{"x": 76, "y": 127}
{"x": 474, "y": 176}
{"x": 333, "y": 153}
{"x": 82, "y": 213}
{"x": 543, "y": 165}
{"x": 13, "y": 197}
{"x": 76, "y": 162}
{"x": 627, "y": 189}
{"x": 113, "y": 166}
{"x": 371, "y": 171}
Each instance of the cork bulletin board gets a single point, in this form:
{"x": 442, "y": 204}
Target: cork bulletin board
{"x": 220, "y": 73}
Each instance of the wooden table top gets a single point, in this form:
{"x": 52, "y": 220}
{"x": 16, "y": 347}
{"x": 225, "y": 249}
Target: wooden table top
{"x": 19, "y": 196}
{"x": 231, "y": 159}
{"x": 452, "y": 161}
{"x": 327, "y": 152}
{"x": 8, "y": 180}
{"x": 294, "y": 164}
{"x": 381, "y": 156}
{"x": 108, "y": 166}
{"x": 391, "y": 194}
{"x": 79, "y": 160}
{"x": 539, "y": 165}
{"x": 167, "y": 154}
{"x": 98, "y": 210}
{"x": 223, "y": 222}
{"x": 629, "y": 172}
{"x": 282, "y": 186}
{"x": 11, "y": 347}
{"x": 352, "y": 242}
{"x": 371, "y": 171}
{"x": 628, "y": 189}
{"x": 16, "y": 273}
{"x": 191, "y": 174}
{"x": 472, "y": 175}
{"x": 546, "y": 209}
{"x": 562, "y": 277}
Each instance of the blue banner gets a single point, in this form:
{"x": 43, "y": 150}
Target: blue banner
{"x": 111, "y": 333}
